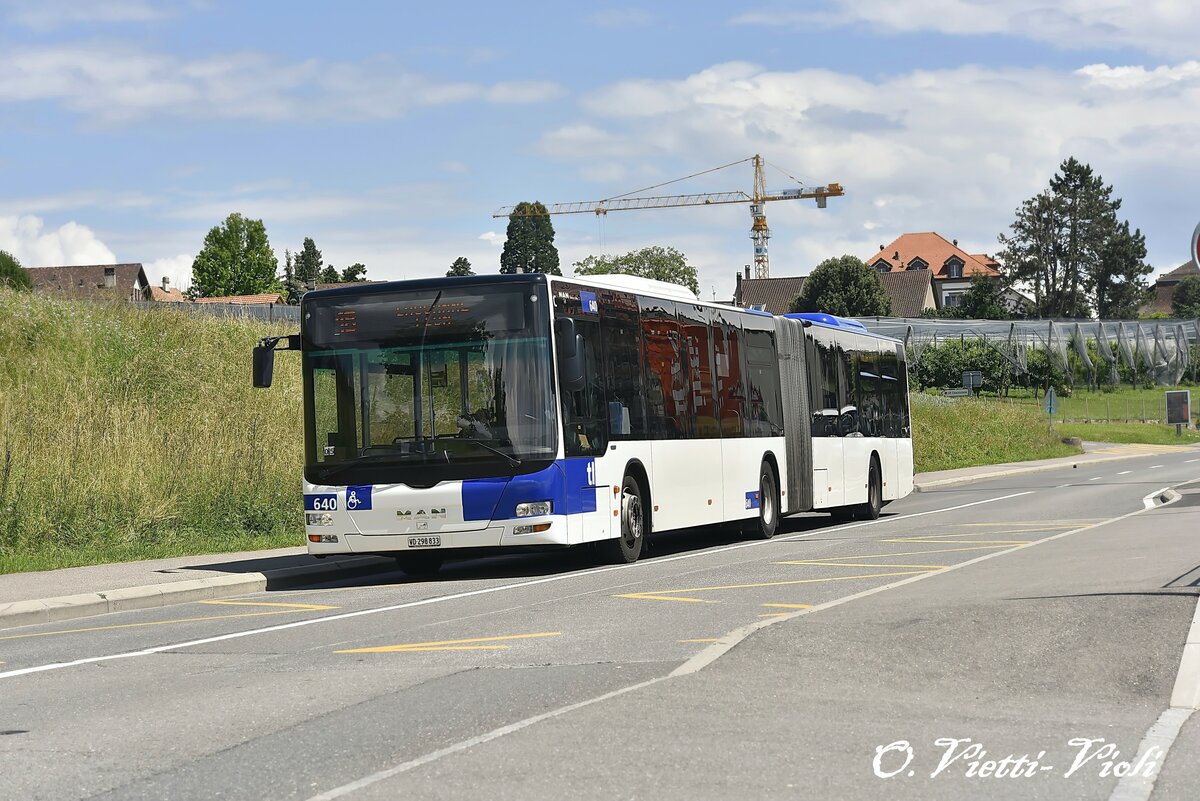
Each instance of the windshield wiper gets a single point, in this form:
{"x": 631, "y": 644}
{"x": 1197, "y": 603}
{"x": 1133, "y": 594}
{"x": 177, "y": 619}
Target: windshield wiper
{"x": 512, "y": 460}
{"x": 331, "y": 470}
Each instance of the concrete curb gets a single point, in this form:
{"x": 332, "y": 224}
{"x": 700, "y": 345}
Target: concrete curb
{"x": 70, "y": 607}
{"x": 925, "y": 486}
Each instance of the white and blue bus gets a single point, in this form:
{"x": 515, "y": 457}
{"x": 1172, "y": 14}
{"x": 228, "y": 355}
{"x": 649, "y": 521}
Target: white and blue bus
{"x": 448, "y": 415}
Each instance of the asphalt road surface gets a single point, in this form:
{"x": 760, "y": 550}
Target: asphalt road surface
{"x": 1038, "y": 619}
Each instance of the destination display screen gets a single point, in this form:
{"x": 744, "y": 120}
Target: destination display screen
{"x": 406, "y": 316}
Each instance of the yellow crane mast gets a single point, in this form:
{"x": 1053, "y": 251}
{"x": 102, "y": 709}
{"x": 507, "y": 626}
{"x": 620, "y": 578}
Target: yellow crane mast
{"x": 759, "y": 231}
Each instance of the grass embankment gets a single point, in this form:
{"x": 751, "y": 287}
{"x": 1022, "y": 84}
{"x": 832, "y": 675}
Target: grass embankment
{"x": 1148, "y": 433}
{"x": 1127, "y": 404}
{"x": 964, "y": 432}
{"x": 127, "y": 434}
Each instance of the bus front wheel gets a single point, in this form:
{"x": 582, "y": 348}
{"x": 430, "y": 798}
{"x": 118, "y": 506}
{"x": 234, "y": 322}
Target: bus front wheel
{"x": 768, "y": 503}
{"x": 628, "y": 547}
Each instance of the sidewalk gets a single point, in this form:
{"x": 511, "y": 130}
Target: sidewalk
{"x": 29, "y": 598}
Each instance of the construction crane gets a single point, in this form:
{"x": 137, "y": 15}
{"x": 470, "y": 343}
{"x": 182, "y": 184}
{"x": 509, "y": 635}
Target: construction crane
{"x": 759, "y": 232}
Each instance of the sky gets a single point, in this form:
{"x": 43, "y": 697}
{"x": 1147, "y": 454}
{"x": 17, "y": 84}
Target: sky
{"x": 391, "y": 132}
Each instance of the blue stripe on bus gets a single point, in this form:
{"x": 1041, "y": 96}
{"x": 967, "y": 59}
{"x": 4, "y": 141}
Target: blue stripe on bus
{"x": 752, "y": 500}
{"x": 566, "y": 483}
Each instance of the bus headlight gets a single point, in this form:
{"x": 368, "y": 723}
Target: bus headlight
{"x": 535, "y": 509}
{"x": 318, "y": 518}
{"x": 532, "y": 528}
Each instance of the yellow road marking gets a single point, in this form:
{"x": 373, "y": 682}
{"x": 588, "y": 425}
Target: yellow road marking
{"x": 440, "y": 645}
{"x": 906, "y": 553}
{"x": 852, "y": 564}
{"x": 659, "y": 595}
{"x": 649, "y": 596}
{"x": 702, "y": 639}
{"x": 263, "y": 603}
{"x": 938, "y": 541}
{"x": 790, "y": 606}
{"x": 150, "y": 623}
{"x": 1039, "y": 523}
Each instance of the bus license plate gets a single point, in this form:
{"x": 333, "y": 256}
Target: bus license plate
{"x": 424, "y": 542}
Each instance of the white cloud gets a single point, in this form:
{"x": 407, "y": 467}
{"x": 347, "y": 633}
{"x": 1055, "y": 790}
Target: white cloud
{"x": 524, "y": 92}
{"x": 177, "y": 268}
{"x": 1157, "y": 26}
{"x": 492, "y": 238}
{"x": 952, "y": 150}
{"x": 49, "y": 14}
{"x": 27, "y": 238}
{"x": 122, "y": 83}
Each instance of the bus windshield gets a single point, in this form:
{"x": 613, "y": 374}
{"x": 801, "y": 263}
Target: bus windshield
{"x": 429, "y": 385}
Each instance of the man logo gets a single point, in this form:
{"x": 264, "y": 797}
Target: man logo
{"x": 434, "y": 513}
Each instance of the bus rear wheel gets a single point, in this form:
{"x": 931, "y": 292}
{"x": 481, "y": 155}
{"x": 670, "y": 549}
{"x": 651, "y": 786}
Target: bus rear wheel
{"x": 870, "y": 509}
{"x": 628, "y": 547}
{"x": 767, "y": 524}
{"x": 419, "y": 565}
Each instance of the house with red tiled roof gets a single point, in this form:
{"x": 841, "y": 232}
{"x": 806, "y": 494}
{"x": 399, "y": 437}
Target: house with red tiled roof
{"x": 1164, "y": 289}
{"x": 265, "y": 299}
{"x": 950, "y": 267}
{"x": 910, "y": 292}
{"x": 91, "y": 281}
{"x": 164, "y": 294}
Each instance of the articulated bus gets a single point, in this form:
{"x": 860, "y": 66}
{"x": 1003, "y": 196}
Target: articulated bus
{"x": 449, "y": 415}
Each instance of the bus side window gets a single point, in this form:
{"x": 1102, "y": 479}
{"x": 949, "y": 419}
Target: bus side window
{"x": 869, "y": 399}
{"x": 764, "y": 408}
{"x": 729, "y": 388}
{"x": 665, "y": 378}
{"x": 697, "y": 350}
{"x": 585, "y": 414}
{"x": 622, "y": 379}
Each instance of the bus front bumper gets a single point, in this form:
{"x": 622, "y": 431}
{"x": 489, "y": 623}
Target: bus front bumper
{"x": 550, "y": 530}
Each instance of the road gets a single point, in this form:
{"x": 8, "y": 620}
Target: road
{"x": 1014, "y": 616}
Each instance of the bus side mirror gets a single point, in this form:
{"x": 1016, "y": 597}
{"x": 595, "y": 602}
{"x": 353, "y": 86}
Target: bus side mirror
{"x": 264, "y": 365}
{"x": 570, "y": 355}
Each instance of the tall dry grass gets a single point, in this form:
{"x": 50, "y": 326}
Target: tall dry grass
{"x": 128, "y": 434}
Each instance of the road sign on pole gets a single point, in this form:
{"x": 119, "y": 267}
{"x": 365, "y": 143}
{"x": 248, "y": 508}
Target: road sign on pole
{"x": 1179, "y": 410}
{"x": 1050, "y": 404}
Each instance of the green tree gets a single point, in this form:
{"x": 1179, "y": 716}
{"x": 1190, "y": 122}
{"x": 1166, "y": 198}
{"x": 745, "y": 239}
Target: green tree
{"x": 659, "y": 263}
{"x": 293, "y": 287}
{"x": 1067, "y": 243}
{"x": 460, "y": 267}
{"x": 529, "y": 243}
{"x": 1120, "y": 275}
{"x": 12, "y": 274}
{"x": 355, "y": 274}
{"x": 236, "y": 260}
{"x": 843, "y": 286}
{"x": 983, "y": 301}
{"x": 330, "y": 275}
{"x": 1185, "y": 301}
{"x": 308, "y": 263}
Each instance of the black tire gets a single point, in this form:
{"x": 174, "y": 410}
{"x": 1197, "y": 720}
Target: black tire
{"x": 628, "y": 547}
{"x": 422, "y": 564}
{"x": 768, "y": 503}
{"x": 870, "y": 509}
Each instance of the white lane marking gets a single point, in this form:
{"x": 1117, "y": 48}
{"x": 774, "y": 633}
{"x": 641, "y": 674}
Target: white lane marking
{"x": 1124, "y": 472}
{"x": 433, "y": 756}
{"x": 724, "y": 644}
{"x": 1147, "y": 502}
{"x": 1097, "y": 478}
{"x": 696, "y": 663}
{"x": 1189, "y": 461}
{"x": 1155, "y": 466}
{"x": 472, "y": 593}
{"x": 1185, "y": 699}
